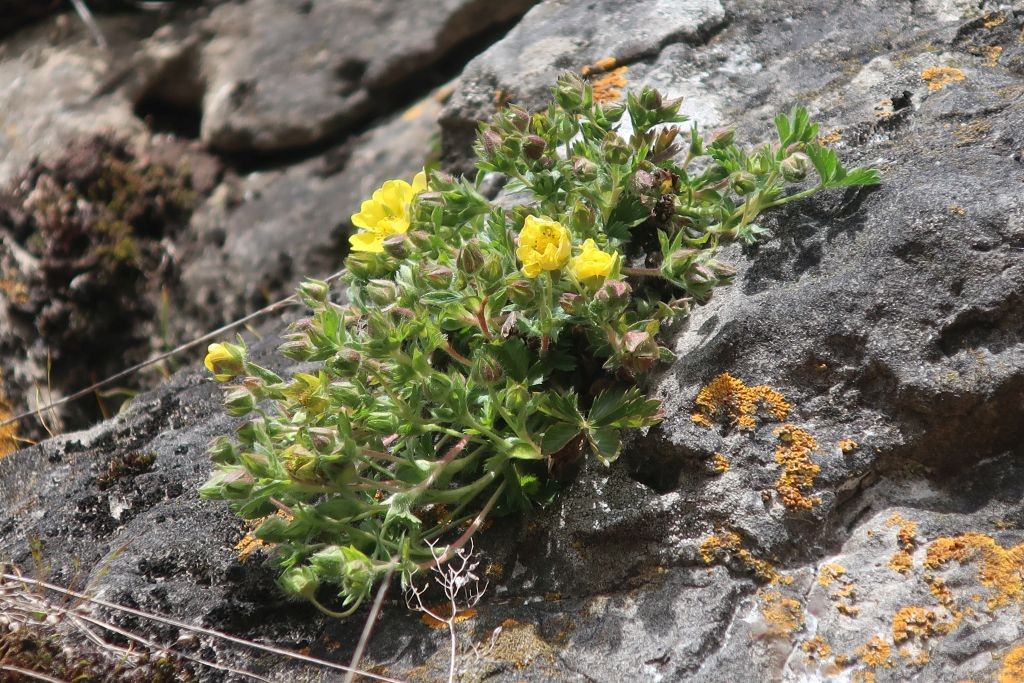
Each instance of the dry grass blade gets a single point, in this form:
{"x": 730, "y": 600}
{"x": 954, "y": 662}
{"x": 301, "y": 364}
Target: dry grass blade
{"x": 270, "y": 649}
{"x": 371, "y": 620}
{"x": 30, "y": 674}
{"x": 90, "y": 22}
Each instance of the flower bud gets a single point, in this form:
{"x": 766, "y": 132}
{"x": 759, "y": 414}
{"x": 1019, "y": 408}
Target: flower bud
{"x": 570, "y": 92}
{"x": 419, "y": 238}
{"x": 322, "y": 438}
{"x": 521, "y": 293}
{"x": 615, "y": 291}
{"x": 643, "y": 182}
{"x": 487, "y": 369}
{"x": 519, "y": 118}
{"x": 346, "y": 361}
{"x": 297, "y": 348}
{"x": 382, "y": 292}
{"x": 300, "y": 581}
{"x": 491, "y": 270}
{"x": 534, "y": 146}
{"x": 584, "y": 168}
{"x": 383, "y": 423}
{"x": 470, "y": 258}
{"x": 721, "y": 270}
{"x": 313, "y": 292}
{"x": 438, "y": 276}
{"x": 723, "y": 137}
{"x": 638, "y": 352}
{"x": 491, "y": 140}
{"x": 363, "y": 264}
{"x": 699, "y": 274}
{"x": 615, "y": 149}
{"x": 238, "y": 401}
{"x": 716, "y": 172}
{"x": 794, "y": 167}
{"x": 571, "y": 303}
{"x": 742, "y": 182}
{"x": 225, "y": 361}
{"x": 397, "y": 246}
{"x": 223, "y": 451}
{"x": 650, "y": 99}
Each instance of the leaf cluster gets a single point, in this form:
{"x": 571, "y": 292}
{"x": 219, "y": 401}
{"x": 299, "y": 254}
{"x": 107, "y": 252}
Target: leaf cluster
{"x": 451, "y": 387}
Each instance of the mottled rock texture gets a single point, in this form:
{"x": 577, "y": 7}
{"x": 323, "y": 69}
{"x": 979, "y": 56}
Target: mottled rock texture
{"x": 891, "y": 320}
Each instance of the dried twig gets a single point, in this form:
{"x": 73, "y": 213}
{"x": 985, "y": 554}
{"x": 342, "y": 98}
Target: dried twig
{"x": 90, "y": 22}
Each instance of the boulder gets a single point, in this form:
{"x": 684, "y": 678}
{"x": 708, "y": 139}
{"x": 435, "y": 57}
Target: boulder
{"x": 872, "y": 529}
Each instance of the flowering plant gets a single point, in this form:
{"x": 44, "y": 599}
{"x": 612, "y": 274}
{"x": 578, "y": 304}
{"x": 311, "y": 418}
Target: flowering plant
{"x": 487, "y": 346}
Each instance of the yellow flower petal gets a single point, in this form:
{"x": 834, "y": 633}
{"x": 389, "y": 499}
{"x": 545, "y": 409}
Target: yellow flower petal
{"x": 366, "y": 241}
{"x": 592, "y": 263}
{"x": 419, "y": 183}
{"x": 544, "y": 244}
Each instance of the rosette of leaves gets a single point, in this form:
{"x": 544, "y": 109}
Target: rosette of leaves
{"x": 452, "y": 385}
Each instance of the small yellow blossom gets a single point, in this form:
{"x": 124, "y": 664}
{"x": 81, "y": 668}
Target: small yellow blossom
{"x": 543, "y": 245}
{"x": 385, "y": 214}
{"x": 222, "y": 362}
{"x": 592, "y": 262}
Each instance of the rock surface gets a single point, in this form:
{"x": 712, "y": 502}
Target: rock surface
{"x": 891, "y": 320}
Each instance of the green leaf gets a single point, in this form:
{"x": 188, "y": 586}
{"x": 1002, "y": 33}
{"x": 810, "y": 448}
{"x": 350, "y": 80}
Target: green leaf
{"x": 563, "y": 407}
{"x": 557, "y": 436}
{"x": 605, "y": 443}
{"x": 624, "y": 408}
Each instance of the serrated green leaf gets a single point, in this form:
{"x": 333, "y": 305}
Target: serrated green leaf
{"x": 557, "y": 436}
{"x": 605, "y": 443}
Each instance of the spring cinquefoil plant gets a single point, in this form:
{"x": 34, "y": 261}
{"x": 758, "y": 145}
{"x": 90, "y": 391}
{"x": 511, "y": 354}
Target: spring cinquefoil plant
{"x": 488, "y": 346}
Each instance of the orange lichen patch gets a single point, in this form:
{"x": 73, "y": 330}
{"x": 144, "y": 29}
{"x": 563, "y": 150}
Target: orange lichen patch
{"x": 992, "y": 54}
{"x": 248, "y": 545}
{"x": 876, "y": 652}
{"x": 913, "y": 621}
{"x": 830, "y": 573}
{"x": 993, "y": 20}
{"x": 1012, "y": 670}
{"x": 518, "y": 644}
{"x": 495, "y": 570}
{"x": 599, "y": 67}
{"x": 8, "y": 433}
{"x": 956, "y": 210}
{"x": 720, "y": 463}
{"x": 719, "y": 547}
{"x": 816, "y": 648}
{"x": 901, "y": 562}
{"x": 608, "y": 87}
{"x": 938, "y": 77}
{"x": 835, "y": 135}
{"x": 783, "y": 615}
{"x": 16, "y": 290}
{"x": 847, "y": 609}
{"x": 847, "y": 445}
{"x": 728, "y": 398}
{"x": 444, "y": 610}
{"x": 798, "y": 470}
{"x": 939, "y": 590}
{"x": 1001, "y": 569}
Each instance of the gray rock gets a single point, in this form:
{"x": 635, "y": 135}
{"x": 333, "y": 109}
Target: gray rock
{"x": 890, "y": 317}
{"x": 281, "y": 75}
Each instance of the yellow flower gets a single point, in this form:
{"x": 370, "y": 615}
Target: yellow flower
{"x": 223, "y": 361}
{"x": 543, "y": 245}
{"x": 592, "y": 262}
{"x": 385, "y": 214}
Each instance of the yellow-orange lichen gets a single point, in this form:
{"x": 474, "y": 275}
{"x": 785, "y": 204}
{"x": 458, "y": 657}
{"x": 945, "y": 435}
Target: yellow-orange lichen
{"x": 798, "y": 470}
{"x": 727, "y": 398}
{"x": 816, "y": 648}
{"x": 600, "y": 66}
{"x": 906, "y": 539}
{"x": 992, "y": 54}
{"x": 720, "y": 463}
{"x": 938, "y": 77}
{"x": 901, "y": 562}
{"x": 835, "y": 135}
{"x": 993, "y": 20}
{"x": 1000, "y": 569}
{"x": 783, "y": 615}
{"x": 608, "y": 87}
{"x": 8, "y": 433}
{"x": 1012, "y": 670}
{"x": 444, "y": 610}
{"x": 909, "y": 622}
{"x": 830, "y": 573}
{"x": 876, "y": 652}
{"x": 847, "y": 445}
{"x": 718, "y": 547}
{"x": 248, "y": 544}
